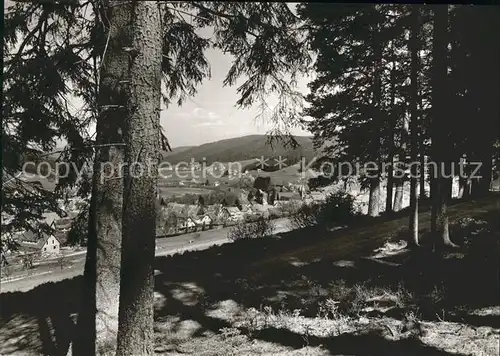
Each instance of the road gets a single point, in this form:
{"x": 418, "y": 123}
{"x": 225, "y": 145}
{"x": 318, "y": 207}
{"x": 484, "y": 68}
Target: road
{"x": 50, "y": 271}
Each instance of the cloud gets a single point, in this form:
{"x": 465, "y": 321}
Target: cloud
{"x": 203, "y": 114}
{"x": 210, "y": 123}
{"x": 212, "y": 115}
{"x": 200, "y": 117}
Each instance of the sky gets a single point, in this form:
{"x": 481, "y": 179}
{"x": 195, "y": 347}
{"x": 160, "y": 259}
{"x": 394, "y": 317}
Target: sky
{"x": 211, "y": 115}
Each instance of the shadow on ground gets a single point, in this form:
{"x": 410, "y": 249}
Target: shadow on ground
{"x": 436, "y": 285}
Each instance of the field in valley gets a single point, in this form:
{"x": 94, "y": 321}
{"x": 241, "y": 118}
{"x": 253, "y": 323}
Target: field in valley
{"x": 167, "y": 192}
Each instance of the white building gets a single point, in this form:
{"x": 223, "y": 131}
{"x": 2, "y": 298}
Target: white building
{"x": 47, "y": 244}
{"x": 204, "y": 220}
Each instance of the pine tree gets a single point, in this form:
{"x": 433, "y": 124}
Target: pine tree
{"x": 413, "y": 46}
{"x": 441, "y": 143}
{"x": 39, "y": 75}
{"x": 474, "y": 76}
{"x": 356, "y": 97}
{"x": 141, "y": 138}
{"x": 103, "y": 261}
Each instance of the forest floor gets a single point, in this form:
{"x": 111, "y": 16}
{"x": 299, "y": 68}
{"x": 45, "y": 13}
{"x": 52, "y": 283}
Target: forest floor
{"x": 354, "y": 291}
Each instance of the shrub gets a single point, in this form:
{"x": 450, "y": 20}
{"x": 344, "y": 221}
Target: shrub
{"x": 338, "y": 209}
{"x": 291, "y": 207}
{"x": 6, "y": 270}
{"x": 307, "y": 215}
{"x": 262, "y": 227}
{"x": 275, "y": 213}
{"x": 319, "y": 182}
{"x": 79, "y": 229}
{"x": 28, "y": 260}
{"x": 62, "y": 261}
{"x": 249, "y": 218}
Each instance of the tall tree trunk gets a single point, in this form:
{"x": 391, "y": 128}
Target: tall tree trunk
{"x": 142, "y": 130}
{"x": 462, "y": 184}
{"x": 392, "y": 124}
{"x": 422, "y": 170}
{"x": 486, "y": 22}
{"x": 486, "y": 172}
{"x": 433, "y": 197}
{"x": 374, "y": 199}
{"x": 413, "y": 223}
{"x": 398, "y": 197}
{"x": 98, "y": 321}
{"x": 440, "y": 136}
{"x": 467, "y": 188}
{"x": 399, "y": 194}
{"x": 473, "y": 180}
{"x": 463, "y": 180}
{"x": 422, "y": 152}
{"x": 390, "y": 185}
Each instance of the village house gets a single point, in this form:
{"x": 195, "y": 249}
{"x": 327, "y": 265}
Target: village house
{"x": 188, "y": 224}
{"x": 247, "y": 209}
{"x": 265, "y": 197}
{"x": 285, "y": 196}
{"x": 214, "y": 212}
{"x": 192, "y": 211}
{"x": 45, "y": 244}
{"x": 261, "y": 210}
{"x": 63, "y": 224}
{"x": 317, "y": 196}
{"x": 176, "y": 208}
{"x": 223, "y": 216}
{"x": 186, "y": 215}
{"x": 234, "y": 214}
{"x": 204, "y": 221}
{"x": 190, "y": 215}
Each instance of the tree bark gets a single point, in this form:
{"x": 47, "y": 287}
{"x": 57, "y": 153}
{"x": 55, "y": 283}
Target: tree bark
{"x": 142, "y": 130}
{"x": 422, "y": 151}
{"x": 486, "y": 172}
{"x": 98, "y": 320}
{"x": 462, "y": 182}
{"x": 486, "y": 22}
{"x": 440, "y": 126}
{"x": 392, "y": 124}
{"x": 413, "y": 223}
{"x": 467, "y": 189}
{"x": 434, "y": 198}
{"x": 422, "y": 177}
{"x": 398, "y": 197}
{"x": 374, "y": 198}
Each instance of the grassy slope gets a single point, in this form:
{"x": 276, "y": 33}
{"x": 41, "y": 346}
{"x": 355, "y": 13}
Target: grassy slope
{"x": 343, "y": 244}
{"x": 227, "y": 287}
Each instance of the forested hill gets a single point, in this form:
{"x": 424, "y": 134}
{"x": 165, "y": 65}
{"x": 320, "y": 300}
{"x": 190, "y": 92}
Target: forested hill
{"x": 241, "y": 149}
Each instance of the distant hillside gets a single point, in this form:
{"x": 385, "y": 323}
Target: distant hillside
{"x": 176, "y": 150}
{"x": 241, "y": 149}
